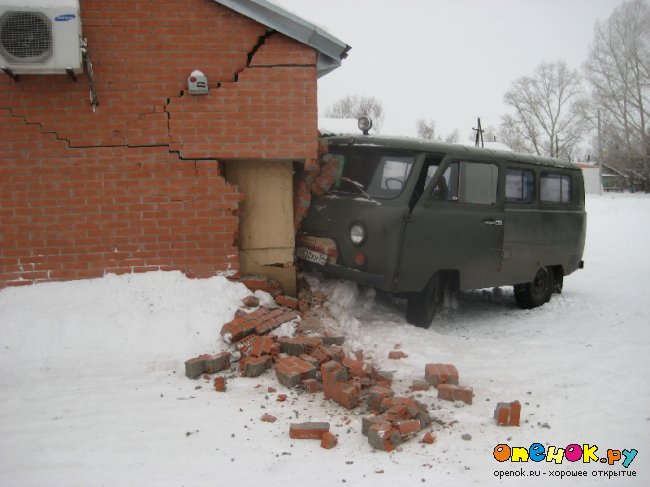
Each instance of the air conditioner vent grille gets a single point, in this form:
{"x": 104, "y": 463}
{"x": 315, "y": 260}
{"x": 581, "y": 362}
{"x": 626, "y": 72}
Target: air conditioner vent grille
{"x": 25, "y": 37}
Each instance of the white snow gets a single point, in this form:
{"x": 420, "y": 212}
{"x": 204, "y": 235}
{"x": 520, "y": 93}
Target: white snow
{"x": 92, "y": 389}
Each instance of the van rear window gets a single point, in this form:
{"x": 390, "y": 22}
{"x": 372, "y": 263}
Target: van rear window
{"x": 520, "y": 185}
{"x": 555, "y": 188}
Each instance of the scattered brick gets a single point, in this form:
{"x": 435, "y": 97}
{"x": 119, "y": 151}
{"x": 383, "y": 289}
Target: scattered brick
{"x": 383, "y": 436}
{"x": 220, "y": 384}
{"x": 507, "y": 413}
{"x": 356, "y": 368}
{"x": 343, "y": 379}
{"x": 382, "y": 376}
{"x": 298, "y": 345}
{"x": 310, "y": 385}
{"x": 332, "y": 372}
{"x": 261, "y": 283}
{"x": 288, "y": 301}
{"x": 254, "y": 283}
{"x": 436, "y": 374}
{"x": 269, "y": 418}
{"x": 309, "y": 430}
{"x": 245, "y": 345}
{"x": 420, "y": 385}
{"x": 337, "y": 352}
{"x": 310, "y": 359}
{"x": 376, "y": 395}
{"x": 408, "y": 427}
{"x": 194, "y": 367}
{"x": 401, "y": 418}
{"x": 291, "y": 371}
{"x": 254, "y": 366}
{"x": 347, "y": 396}
{"x": 235, "y": 330}
{"x": 321, "y": 354}
{"x": 368, "y": 421}
{"x": 271, "y": 389}
{"x": 261, "y": 346}
{"x": 396, "y": 354}
{"x": 206, "y": 363}
{"x": 329, "y": 340}
{"x": 328, "y": 440}
{"x": 251, "y": 301}
{"x": 428, "y": 438}
{"x": 452, "y": 392}
{"x": 274, "y": 318}
{"x": 260, "y": 321}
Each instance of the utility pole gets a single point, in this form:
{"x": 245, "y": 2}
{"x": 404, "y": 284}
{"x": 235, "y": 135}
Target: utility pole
{"x": 479, "y": 134}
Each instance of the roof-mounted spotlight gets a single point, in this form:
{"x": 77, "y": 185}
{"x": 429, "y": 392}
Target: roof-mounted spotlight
{"x": 364, "y": 124}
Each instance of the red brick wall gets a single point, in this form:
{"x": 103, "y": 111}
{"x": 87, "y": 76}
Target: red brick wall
{"x": 137, "y": 185}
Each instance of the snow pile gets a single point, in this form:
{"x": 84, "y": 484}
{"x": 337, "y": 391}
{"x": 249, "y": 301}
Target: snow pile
{"x": 134, "y": 323}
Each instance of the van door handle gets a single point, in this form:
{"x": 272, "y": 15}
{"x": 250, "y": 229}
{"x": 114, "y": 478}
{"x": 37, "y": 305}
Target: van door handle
{"x": 496, "y": 223}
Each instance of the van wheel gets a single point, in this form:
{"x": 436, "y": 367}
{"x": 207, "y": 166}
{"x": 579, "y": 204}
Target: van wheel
{"x": 422, "y": 307}
{"x": 537, "y": 292}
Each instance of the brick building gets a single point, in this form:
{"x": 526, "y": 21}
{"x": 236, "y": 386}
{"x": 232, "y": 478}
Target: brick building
{"x": 156, "y": 178}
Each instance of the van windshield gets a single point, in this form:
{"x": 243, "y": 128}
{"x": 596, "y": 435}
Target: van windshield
{"x": 375, "y": 173}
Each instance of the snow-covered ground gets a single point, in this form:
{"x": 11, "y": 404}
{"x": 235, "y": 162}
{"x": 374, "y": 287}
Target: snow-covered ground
{"x": 92, "y": 390}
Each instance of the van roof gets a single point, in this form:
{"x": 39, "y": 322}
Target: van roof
{"x": 421, "y": 145}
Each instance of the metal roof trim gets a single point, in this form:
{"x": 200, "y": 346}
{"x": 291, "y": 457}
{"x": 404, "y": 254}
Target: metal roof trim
{"x": 330, "y": 49}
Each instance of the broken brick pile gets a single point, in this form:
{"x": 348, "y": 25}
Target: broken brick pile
{"x": 316, "y": 363}
{"x": 317, "y": 178}
{"x": 399, "y": 419}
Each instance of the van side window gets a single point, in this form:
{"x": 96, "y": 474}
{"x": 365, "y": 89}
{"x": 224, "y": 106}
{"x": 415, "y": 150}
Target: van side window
{"x": 520, "y": 185}
{"x": 468, "y": 182}
{"x": 555, "y": 188}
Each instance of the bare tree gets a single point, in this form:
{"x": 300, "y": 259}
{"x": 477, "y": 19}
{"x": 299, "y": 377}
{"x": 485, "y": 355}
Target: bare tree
{"x": 426, "y": 129}
{"x": 355, "y": 106}
{"x": 618, "y": 70}
{"x": 547, "y": 115}
{"x": 453, "y": 137}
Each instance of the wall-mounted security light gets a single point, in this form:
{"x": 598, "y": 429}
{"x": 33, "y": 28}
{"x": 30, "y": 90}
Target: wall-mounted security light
{"x": 197, "y": 83}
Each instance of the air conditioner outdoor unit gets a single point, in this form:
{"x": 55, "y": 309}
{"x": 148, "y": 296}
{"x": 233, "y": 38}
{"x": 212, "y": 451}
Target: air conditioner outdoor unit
{"x": 40, "y": 36}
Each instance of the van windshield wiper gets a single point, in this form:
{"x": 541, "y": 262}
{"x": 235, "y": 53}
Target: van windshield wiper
{"x": 359, "y": 186}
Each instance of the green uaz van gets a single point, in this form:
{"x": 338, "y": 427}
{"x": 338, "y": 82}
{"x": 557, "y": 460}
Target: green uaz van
{"x": 421, "y": 219}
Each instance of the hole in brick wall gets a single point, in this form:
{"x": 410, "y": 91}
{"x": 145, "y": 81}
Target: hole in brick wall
{"x": 266, "y": 237}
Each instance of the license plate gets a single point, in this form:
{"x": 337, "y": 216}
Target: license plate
{"x": 311, "y": 255}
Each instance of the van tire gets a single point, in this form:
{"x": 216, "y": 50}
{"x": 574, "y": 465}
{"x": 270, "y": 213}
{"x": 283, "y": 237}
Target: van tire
{"x": 537, "y": 292}
{"x": 422, "y": 307}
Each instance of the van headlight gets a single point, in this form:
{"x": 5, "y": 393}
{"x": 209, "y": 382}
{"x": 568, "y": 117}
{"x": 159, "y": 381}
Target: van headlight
{"x": 358, "y": 233}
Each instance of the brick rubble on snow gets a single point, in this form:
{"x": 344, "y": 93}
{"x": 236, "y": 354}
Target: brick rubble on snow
{"x": 320, "y": 363}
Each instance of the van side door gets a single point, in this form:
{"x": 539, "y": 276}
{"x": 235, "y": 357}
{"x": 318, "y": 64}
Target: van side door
{"x": 456, "y": 225}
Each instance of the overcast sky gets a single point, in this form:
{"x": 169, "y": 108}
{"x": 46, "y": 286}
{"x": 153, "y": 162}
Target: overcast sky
{"x": 449, "y": 60}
